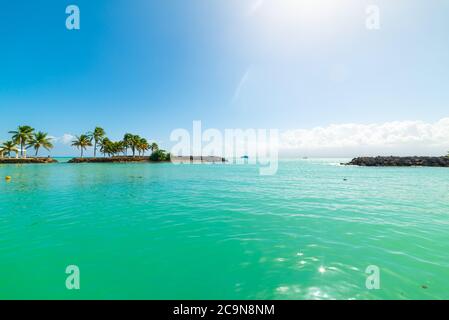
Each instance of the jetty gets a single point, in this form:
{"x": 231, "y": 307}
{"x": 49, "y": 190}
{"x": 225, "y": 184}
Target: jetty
{"x": 197, "y": 159}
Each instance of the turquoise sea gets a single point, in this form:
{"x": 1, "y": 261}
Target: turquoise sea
{"x": 164, "y": 231}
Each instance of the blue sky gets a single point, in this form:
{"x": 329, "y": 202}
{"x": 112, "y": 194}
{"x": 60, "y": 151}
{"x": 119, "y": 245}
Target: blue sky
{"x": 153, "y": 66}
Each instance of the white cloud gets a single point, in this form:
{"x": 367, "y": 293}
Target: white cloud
{"x": 65, "y": 139}
{"x": 400, "y": 136}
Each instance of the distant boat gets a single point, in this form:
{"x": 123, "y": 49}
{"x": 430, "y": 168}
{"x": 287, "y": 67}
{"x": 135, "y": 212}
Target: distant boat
{"x": 245, "y": 157}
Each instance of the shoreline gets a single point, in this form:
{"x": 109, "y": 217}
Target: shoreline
{"x": 123, "y": 159}
{"x": 119, "y": 159}
{"x": 379, "y": 161}
{"x": 392, "y": 161}
{"x": 142, "y": 159}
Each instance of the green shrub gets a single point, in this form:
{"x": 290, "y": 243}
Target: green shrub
{"x": 160, "y": 155}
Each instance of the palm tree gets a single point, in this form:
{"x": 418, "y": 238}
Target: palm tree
{"x": 104, "y": 144}
{"x": 40, "y": 139}
{"x": 143, "y": 146}
{"x": 135, "y": 140}
{"x": 22, "y": 136}
{"x": 97, "y": 136}
{"x": 127, "y": 138}
{"x": 120, "y": 146}
{"x": 108, "y": 147}
{"x": 154, "y": 147}
{"x": 82, "y": 142}
{"x": 8, "y": 147}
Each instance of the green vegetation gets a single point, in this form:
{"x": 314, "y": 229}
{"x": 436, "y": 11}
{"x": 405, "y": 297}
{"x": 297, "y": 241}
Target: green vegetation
{"x": 23, "y": 138}
{"x": 138, "y": 145}
{"x": 160, "y": 155}
{"x": 38, "y": 140}
{"x": 97, "y": 135}
{"x": 127, "y": 142}
{"x": 111, "y": 148}
{"x": 135, "y": 140}
{"x": 82, "y": 142}
{"x": 142, "y": 146}
{"x": 154, "y": 147}
{"x": 8, "y": 147}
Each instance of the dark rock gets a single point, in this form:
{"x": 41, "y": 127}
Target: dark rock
{"x": 123, "y": 159}
{"x": 26, "y": 160}
{"x": 400, "y": 161}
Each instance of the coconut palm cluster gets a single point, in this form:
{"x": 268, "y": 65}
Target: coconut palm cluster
{"x": 131, "y": 145}
{"x": 23, "y": 138}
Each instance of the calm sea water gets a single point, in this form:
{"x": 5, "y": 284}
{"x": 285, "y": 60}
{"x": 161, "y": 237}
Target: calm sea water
{"x": 161, "y": 231}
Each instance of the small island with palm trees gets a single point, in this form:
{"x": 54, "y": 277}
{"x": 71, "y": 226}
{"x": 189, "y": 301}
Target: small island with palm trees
{"x": 22, "y": 139}
{"x": 132, "y": 148}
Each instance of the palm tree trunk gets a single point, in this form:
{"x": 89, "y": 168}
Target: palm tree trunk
{"x": 21, "y": 148}
{"x": 37, "y": 150}
{"x": 81, "y": 152}
{"x": 95, "y": 149}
